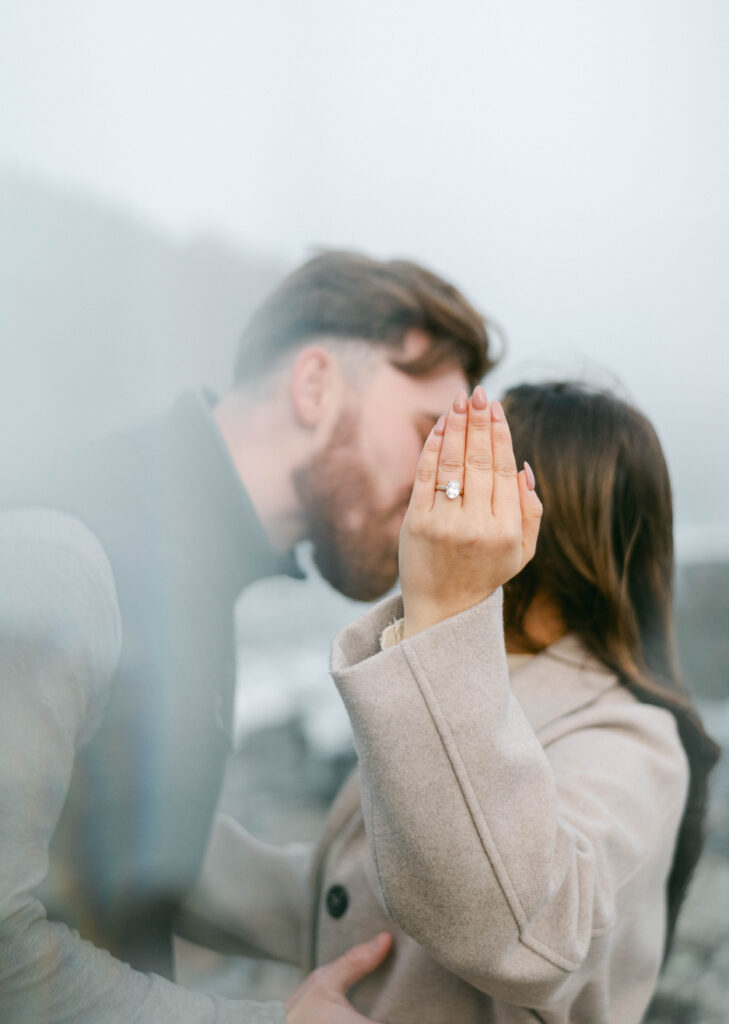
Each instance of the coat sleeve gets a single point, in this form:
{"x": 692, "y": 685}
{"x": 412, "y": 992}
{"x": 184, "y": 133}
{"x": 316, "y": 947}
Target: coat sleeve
{"x": 59, "y": 644}
{"x": 503, "y": 860}
{"x": 251, "y": 898}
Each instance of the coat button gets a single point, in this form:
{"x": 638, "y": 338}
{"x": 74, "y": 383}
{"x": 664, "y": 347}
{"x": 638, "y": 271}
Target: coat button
{"x": 337, "y": 900}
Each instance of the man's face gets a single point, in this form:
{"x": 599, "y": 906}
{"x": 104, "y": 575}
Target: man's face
{"x": 356, "y": 491}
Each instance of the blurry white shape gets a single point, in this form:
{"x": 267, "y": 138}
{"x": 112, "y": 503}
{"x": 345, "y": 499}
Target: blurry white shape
{"x": 285, "y": 629}
{"x": 326, "y": 727}
{"x": 278, "y": 684}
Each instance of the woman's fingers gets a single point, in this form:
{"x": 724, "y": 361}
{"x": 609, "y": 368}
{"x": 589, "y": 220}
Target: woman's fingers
{"x": 425, "y": 476}
{"x": 473, "y": 446}
{"x": 505, "y": 497}
{"x": 478, "y": 481}
{"x": 453, "y": 450}
{"x": 453, "y": 554}
{"x": 531, "y": 513}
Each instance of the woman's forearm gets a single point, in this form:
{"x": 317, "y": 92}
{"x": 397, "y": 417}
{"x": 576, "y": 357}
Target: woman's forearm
{"x": 505, "y": 862}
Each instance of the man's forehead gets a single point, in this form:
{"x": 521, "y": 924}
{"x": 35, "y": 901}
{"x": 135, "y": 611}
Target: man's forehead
{"x": 425, "y": 395}
{"x": 415, "y": 344}
{"x": 379, "y": 374}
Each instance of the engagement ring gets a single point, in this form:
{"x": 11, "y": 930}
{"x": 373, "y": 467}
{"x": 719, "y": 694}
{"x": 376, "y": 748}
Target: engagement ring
{"x": 452, "y": 489}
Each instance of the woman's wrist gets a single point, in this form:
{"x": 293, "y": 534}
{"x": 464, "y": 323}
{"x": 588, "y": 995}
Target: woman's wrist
{"x": 421, "y": 615}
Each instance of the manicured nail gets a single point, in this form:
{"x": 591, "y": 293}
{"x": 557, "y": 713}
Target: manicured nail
{"x": 460, "y": 402}
{"x": 531, "y": 482}
{"x": 479, "y": 399}
{"x": 497, "y": 411}
{"x": 439, "y": 427}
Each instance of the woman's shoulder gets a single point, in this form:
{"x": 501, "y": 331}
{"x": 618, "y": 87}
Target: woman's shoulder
{"x": 589, "y": 722}
{"x": 566, "y": 688}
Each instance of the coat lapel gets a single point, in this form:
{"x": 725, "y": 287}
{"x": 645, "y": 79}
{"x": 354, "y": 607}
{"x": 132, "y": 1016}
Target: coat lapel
{"x": 346, "y": 804}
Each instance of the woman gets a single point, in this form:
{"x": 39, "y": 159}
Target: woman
{"x": 525, "y": 832}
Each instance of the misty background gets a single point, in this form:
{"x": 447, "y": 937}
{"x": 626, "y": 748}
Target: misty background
{"x": 566, "y": 164}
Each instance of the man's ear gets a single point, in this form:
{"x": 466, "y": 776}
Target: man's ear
{"x": 315, "y": 379}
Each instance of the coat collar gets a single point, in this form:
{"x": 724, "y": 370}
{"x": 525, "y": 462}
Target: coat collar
{"x": 213, "y": 512}
{"x": 560, "y": 679}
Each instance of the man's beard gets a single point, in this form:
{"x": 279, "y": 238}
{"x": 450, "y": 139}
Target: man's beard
{"x": 354, "y": 546}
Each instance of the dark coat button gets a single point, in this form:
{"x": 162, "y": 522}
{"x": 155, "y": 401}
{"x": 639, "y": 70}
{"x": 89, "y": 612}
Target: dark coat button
{"x": 337, "y": 900}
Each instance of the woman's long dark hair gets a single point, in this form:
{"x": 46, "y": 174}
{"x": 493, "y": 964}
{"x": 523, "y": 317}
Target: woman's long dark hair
{"x": 605, "y": 559}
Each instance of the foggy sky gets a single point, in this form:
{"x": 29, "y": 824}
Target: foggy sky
{"x": 565, "y": 163}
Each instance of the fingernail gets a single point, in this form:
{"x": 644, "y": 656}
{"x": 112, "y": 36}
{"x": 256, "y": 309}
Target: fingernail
{"x": 439, "y": 427}
{"x": 497, "y": 411}
{"x": 460, "y": 402}
{"x": 531, "y": 482}
{"x": 379, "y": 941}
{"x": 479, "y": 399}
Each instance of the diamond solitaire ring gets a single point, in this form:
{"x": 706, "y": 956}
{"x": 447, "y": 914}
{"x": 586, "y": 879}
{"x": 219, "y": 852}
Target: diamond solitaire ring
{"x": 452, "y": 489}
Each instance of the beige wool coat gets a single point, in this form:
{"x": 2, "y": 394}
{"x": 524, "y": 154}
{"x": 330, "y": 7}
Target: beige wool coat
{"x": 514, "y": 835}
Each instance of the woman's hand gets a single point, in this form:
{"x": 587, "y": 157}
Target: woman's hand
{"x": 455, "y": 552}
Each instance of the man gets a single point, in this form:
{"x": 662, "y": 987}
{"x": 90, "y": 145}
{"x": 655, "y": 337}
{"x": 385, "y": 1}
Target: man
{"x": 116, "y": 626}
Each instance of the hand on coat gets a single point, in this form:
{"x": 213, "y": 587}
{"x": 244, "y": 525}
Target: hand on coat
{"x": 321, "y": 998}
{"x": 455, "y": 552}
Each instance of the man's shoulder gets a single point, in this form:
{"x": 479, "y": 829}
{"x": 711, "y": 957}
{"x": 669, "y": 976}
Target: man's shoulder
{"x": 55, "y": 539}
{"x": 57, "y": 582}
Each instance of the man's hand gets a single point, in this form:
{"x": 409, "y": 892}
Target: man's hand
{"x": 321, "y": 998}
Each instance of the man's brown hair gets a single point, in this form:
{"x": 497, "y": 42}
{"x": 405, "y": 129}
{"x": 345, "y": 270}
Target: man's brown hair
{"x": 349, "y": 296}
